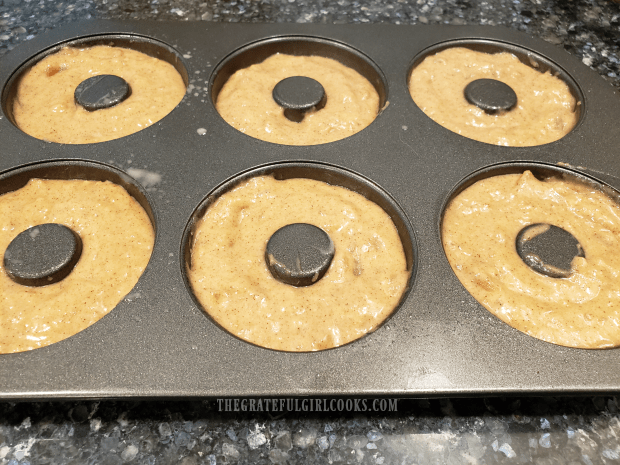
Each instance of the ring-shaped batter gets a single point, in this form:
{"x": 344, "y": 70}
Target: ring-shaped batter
{"x": 246, "y": 101}
{"x": 479, "y": 231}
{"x": 230, "y": 278}
{"x": 545, "y": 109}
{"x": 45, "y": 106}
{"x": 117, "y": 240}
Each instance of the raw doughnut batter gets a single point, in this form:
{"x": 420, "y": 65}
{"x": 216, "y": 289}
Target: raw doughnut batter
{"x": 230, "y": 278}
{"x": 545, "y": 109}
{"x": 479, "y": 231}
{"x": 45, "y": 107}
{"x": 247, "y": 104}
{"x": 117, "y": 240}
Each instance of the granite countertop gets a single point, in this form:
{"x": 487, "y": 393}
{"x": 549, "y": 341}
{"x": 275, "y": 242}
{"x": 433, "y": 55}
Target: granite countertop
{"x": 575, "y": 430}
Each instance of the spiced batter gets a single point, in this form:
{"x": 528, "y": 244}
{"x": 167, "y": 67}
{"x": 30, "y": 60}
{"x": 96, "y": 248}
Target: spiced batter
{"x": 117, "y": 240}
{"x": 229, "y": 276}
{"x": 479, "y": 231}
{"x": 246, "y": 101}
{"x": 45, "y": 107}
{"x": 545, "y": 109}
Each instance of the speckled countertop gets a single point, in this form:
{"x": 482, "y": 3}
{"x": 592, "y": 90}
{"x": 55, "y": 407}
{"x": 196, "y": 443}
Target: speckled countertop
{"x": 583, "y": 430}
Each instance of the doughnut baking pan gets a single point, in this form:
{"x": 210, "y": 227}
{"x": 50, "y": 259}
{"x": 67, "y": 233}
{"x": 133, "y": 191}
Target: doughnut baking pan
{"x": 158, "y": 342}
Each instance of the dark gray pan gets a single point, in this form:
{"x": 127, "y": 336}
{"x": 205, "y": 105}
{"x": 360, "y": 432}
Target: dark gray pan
{"x": 440, "y": 341}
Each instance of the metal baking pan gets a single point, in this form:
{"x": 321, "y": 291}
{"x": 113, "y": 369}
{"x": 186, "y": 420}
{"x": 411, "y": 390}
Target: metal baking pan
{"x": 158, "y": 342}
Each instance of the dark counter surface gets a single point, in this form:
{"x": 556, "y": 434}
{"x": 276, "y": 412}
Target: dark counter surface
{"x": 589, "y": 30}
{"x": 575, "y": 430}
